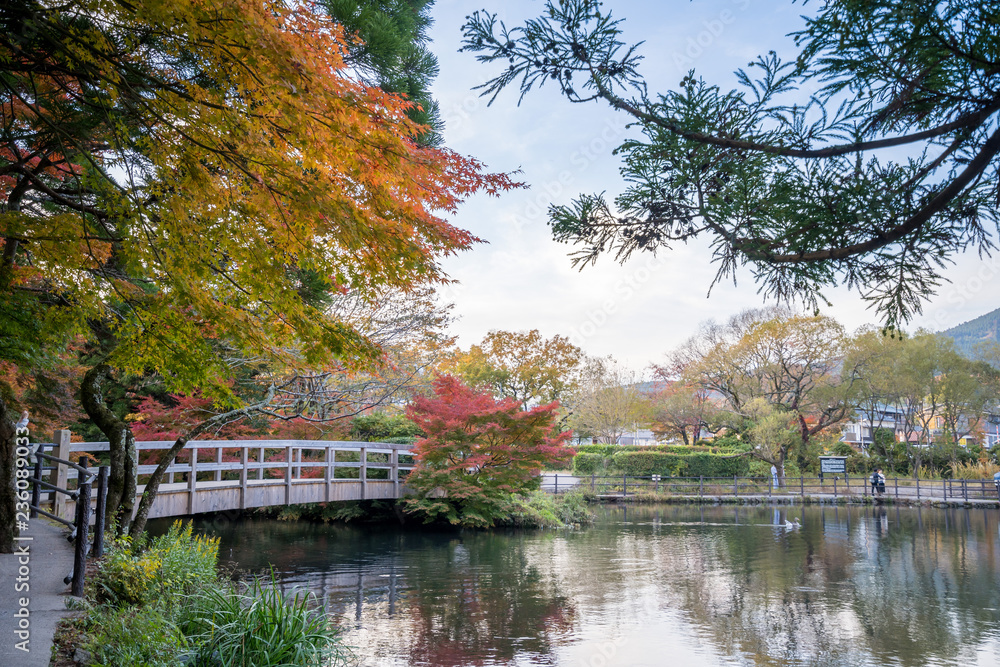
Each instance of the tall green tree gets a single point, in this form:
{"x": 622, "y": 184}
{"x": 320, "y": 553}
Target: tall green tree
{"x": 792, "y": 184}
{"x": 389, "y": 49}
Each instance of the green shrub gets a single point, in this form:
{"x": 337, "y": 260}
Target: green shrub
{"x": 572, "y": 507}
{"x": 645, "y": 463}
{"x": 545, "y": 510}
{"x": 601, "y": 450}
{"x": 176, "y": 563}
{"x": 713, "y": 465}
{"x": 382, "y": 427}
{"x": 610, "y": 450}
{"x": 589, "y": 463}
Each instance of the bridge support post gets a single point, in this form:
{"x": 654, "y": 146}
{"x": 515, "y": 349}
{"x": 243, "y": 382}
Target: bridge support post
{"x": 394, "y": 471}
{"x": 244, "y": 476}
{"x": 289, "y": 458}
{"x": 62, "y": 473}
{"x": 192, "y": 480}
{"x": 328, "y": 457}
{"x": 363, "y": 473}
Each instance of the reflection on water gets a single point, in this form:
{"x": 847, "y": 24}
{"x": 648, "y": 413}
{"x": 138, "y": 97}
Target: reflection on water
{"x": 679, "y": 585}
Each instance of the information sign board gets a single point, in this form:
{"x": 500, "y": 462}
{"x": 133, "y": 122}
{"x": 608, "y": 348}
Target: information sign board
{"x": 833, "y": 464}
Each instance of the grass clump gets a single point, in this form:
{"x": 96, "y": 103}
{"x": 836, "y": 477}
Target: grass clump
{"x": 974, "y": 470}
{"x": 163, "y": 602}
{"x": 259, "y": 625}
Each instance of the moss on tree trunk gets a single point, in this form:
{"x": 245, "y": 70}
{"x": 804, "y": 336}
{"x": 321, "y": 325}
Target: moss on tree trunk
{"x": 124, "y": 458}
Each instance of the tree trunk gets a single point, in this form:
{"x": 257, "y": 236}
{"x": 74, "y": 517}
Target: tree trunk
{"x": 153, "y": 487}
{"x": 8, "y": 467}
{"x": 124, "y": 458}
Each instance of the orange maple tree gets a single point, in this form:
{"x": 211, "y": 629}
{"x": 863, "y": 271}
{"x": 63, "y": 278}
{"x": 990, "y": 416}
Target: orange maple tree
{"x": 176, "y": 173}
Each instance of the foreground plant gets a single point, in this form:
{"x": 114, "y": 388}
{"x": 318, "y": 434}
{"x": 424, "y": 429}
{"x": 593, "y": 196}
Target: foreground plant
{"x": 258, "y": 626}
{"x": 164, "y": 604}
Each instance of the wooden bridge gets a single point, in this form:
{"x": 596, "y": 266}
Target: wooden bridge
{"x": 221, "y": 475}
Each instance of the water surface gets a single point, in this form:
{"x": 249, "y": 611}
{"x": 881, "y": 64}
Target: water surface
{"x": 654, "y": 585}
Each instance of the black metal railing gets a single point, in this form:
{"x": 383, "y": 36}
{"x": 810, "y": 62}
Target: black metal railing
{"x": 834, "y": 486}
{"x": 80, "y": 525}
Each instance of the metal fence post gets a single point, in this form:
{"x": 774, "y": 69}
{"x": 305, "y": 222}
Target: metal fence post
{"x": 802, "y": 486}
{"x": 835, "y": 487}
{"x": 593, "y": 482}
{"x": 82, "y": 528}
{"x": 918, "y": 488}
{"x": 895, "y": 486}
{"x": 736, "y": 487}
{"x": 624, "y": 485}
{"x": 556, "y": 491}
{"x": 965, "y": 490}
{"x": 100, "y": 517}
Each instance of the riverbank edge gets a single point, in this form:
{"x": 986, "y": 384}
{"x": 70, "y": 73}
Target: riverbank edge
{"x": 789, "y": 500}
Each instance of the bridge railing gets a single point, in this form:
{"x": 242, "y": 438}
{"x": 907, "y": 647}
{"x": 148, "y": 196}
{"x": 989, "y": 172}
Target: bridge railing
{"x": 267, "y": 472}
{"x": 835, "y": 486}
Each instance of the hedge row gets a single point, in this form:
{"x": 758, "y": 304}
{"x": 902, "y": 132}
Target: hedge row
{"x": 683, "y": 450}
{"x": 644, "y": 463}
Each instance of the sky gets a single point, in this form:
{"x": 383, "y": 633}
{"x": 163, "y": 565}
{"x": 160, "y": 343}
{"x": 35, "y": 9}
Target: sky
{"x": 522, "y": 279}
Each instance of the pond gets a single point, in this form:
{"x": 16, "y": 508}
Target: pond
{"x": 654, "y": 585}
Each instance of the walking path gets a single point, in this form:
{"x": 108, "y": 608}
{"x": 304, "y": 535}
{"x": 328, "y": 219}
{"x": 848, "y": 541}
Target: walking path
{"x": 49, "y": 559}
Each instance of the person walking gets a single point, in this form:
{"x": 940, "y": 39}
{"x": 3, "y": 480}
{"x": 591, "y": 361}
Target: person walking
{"x": 878, "y": 482}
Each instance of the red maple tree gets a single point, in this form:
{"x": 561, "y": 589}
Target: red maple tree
{"x": 479, "y": 451}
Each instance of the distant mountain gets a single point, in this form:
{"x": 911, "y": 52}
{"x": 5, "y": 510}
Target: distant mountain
{"x": 983, "y": 328}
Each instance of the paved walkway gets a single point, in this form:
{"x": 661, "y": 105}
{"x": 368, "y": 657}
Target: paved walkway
{"x": 50, "y": 558}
